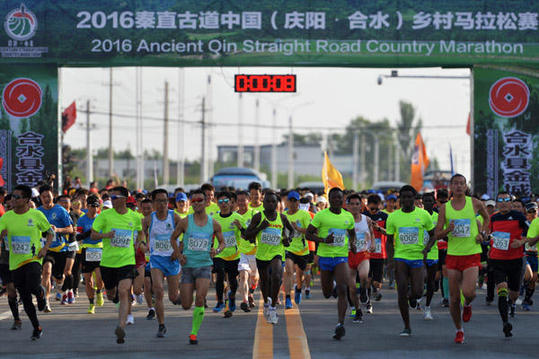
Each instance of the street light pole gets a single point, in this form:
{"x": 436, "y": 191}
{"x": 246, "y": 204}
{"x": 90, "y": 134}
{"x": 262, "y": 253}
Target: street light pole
{"x": 290, "y": 154}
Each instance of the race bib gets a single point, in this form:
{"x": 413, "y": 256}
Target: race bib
{"x": 161, "y": 244}
{"x": 297, "y": 234}
{"x": 378, "y": 245}
{"x": 230, "y": 239}
{"x": 20, "y": 244}
{"x": 198, "y": 242}
{"x": 73, "y": 246}
{"x": 122, "y": 238}
{"x": 339, "y": 237}
{"x": 361, "y": 242}
{"x": 409, "y": 235}
{"x": 500, "y": 240}
{"x": 529, "y": 248}
{"x": 462, "y": 228}
{"x": 93, "y": 254}
{"x": 426, "y": 238}
{"x": 271, "y": 236}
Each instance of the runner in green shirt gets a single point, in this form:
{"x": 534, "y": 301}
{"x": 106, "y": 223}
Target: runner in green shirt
{"x": 267, "y": 228}
{"x": 117, "y": 227}
{"x": 24, "y": 226}
{"x": 333, "y": 229}
{"x": 405, "y": 228}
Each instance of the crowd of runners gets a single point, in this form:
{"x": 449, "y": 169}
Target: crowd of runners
{"x": 125, "y": 245}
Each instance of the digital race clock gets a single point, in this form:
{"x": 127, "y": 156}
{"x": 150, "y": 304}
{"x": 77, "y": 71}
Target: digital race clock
{"x": 265, "y": 83}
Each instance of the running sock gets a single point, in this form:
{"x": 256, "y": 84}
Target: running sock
{"x": 445, "y": 286}
{"x": 68, "y": 282}
{"x": 198, "y": 316}
{"x": 503, "y": 305}
{"x": 30, "y": 310}
{"x": 91, "y": 300}
{"x": 14, "y": 307}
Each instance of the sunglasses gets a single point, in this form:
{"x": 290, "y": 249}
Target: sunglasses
{"x": 197, "y": 200}
{"x": 292, "y": 200}
{"x": 506, "y": 199}
{"x": 116, "y": 196}
{"x": 93, "y": 205}
{"x": 221, "y": 201}
{"x": 16, "y": 196}
{"x": 373, "y": 209}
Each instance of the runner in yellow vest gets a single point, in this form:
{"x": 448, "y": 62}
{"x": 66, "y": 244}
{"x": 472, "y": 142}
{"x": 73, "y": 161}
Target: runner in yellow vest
{"x": 463, "y": 248}
{"x": 267, "y": 228}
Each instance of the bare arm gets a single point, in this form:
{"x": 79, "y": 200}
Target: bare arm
{"x": 312, "y": 235}
{"x": 253, "y": 229}
{"x": 217, "y": 232}
{"x": 439, "y": 230}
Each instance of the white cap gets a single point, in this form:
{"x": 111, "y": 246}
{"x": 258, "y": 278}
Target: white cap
{"x": 321, "y": 199}
{"x": 485, "y": 197}
{"x": 107, "y": 204}
{"x": 490, "y": 202}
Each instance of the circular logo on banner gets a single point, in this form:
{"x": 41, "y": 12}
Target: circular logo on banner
{"x": 509, "y": 97}
{"x": 20, "y": 24}
{"x": 21, "y": 98}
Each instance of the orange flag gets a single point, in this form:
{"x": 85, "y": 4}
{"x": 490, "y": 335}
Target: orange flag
{"x": 330, "y": 175}
{"x": 420, "y": 162}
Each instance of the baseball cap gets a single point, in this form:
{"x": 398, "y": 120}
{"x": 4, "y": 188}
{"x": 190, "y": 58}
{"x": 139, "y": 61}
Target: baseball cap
{"x": 490, "y": 202}
{"x": 92, "y": 201}
{"x": 181, "y": 197}
{"x": 531, "y": 206}
{"x": 485, "y": 197}
{"x": 392, "y": 196}
{"x": 321, "y": 199}
{"x": 294, "y": 195}
{"x": 131, "y": 200}
{"x": 309, "y": 195}
{"x": 107, "y": 204}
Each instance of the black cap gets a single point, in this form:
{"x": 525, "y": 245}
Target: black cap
{"x": 93, "y": 201}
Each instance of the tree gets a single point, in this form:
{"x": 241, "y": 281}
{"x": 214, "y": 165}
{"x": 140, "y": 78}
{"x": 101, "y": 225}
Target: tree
{"x": 407, "y": 132}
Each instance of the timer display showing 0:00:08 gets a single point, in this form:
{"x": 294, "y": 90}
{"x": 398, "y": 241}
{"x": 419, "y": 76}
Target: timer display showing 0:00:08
{"x": 265, "y": 83}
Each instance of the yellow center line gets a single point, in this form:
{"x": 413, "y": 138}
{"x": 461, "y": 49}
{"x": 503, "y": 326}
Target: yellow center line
{"x": 297, "y": 340}
{"x": 263, "y": 344}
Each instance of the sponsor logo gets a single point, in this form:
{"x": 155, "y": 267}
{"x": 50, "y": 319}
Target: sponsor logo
{"x": 21, "y": 98}
{"x": 21, "y": 26}
{"x": 509, "y": 97}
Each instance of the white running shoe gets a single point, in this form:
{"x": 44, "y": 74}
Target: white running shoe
{"x": 130, "y": 319}
{"x": 272, "y": 315}
{"x": 428, "y": 314}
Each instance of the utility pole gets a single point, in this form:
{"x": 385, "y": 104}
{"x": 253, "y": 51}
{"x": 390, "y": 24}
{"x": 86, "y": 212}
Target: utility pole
{"x": 290, "y": 154}
{"x": 166, "y": 173}
{"x": 376, "y": 158}
{"x": 355, "y": 158}
{"x": 397, "y": 160}
{"x": 139, "y": 134}
{"x": 89, "y": 157}
{"x": 274, "y": 150}
{"x": 111, "y": 151}
{"x": 240, "y": 132}
{"x": 362, "y": 160}
{"x": 209, "y": 122}
{"x": 180, "y": 170}
{"x": 257, "y": 144}
{"x": 203, "y": 143}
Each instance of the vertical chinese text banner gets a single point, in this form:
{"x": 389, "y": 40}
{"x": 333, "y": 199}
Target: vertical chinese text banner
{"x": 506, "y": 131}
{"x": 28, "y": 124}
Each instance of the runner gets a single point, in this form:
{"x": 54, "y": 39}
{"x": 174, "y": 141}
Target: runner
{"x": 333, "y": 230}
{"x": 226, "y": 262}
{"x": 117, "y": 227}
{"x": 432, "y": 256}
{"x": 507, "y": 227}
{"x": 247, "y": 265}
{"x": 6, "y": 277}
{"x": 463, "y": 259}
{"x": 91, "y": 255}
{"x": 530, "y": 278}
{"x": 379, "y": 255}
{"x": 211, "y": 207}
{"x": 442, "y": 196}
{"x": 255, "y": 196}
{"x": 406, "y": 228}
{"x": 24, "y": 227}
{"x": 158, "y": 227}
{"x": 195, "y": 254}
{"x": 59, "y": 260}
{"x": 297, "y": 254}
{"x": 267, "y": 228}
{"x": 142, "y": 284}
{"x": 359, "y": 261}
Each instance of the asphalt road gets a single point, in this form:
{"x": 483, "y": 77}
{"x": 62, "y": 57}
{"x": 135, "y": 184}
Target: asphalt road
{"x": 69, "y": 332}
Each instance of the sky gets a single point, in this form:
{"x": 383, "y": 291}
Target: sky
{"x": 326, "y": 100}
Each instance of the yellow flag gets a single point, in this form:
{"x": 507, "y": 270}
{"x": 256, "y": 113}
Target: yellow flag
{"x": 420, "y": 162}
{"x": 330, "y": 175}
